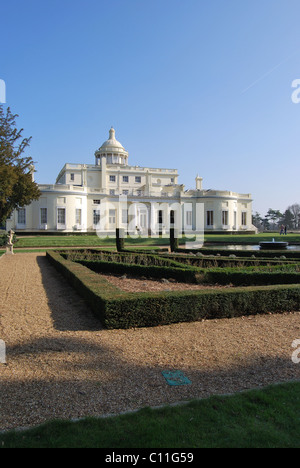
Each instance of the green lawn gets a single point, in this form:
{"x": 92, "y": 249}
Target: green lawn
{"x": 95, "y": 241}
{"x": 81, "y": 241}
{"x": 268, "y": 418}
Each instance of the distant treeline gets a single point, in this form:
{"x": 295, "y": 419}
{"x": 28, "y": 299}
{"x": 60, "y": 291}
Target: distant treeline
{"x": 275, "y": 219}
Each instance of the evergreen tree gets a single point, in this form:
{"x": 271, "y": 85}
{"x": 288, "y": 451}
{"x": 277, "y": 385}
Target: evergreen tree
{"x": 288, "y": 219}
{"x": 17, "y": 188}
{"x": 274, "y": 216}
{"x": 257, "y": 220}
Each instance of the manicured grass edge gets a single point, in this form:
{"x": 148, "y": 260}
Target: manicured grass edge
{"x": 258, "y": 418}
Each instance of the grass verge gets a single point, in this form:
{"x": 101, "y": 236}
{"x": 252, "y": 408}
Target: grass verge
{"x": 95, "y": 241}
{"x": 83, "y": 241}
{"x": 267, "y": 418}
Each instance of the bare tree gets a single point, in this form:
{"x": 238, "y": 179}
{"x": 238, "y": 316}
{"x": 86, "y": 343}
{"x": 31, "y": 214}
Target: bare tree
{"x": 295, "y": 210}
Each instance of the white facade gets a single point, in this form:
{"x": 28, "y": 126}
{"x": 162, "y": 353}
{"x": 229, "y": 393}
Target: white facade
{"x": 110, "y": 193}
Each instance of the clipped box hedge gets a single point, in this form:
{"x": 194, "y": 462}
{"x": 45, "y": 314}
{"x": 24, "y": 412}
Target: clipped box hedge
{"x": 249, "y": 278}
{"x": 220, "y": 276}
{"x": 137, "y": 258}
{"x": 185, "y": 275}
{"x": 118, "y": 309}
{"x": 289, "y": 254}
{"x": 156, "y": 267}
{"x": 214, "y": 261}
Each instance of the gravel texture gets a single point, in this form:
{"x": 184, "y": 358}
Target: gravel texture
{"x": 62, "y": 364}
{"x": 131, "y": 284}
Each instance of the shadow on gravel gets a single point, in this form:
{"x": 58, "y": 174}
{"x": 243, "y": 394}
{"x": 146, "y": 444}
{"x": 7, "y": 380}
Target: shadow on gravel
{"x": 69, "y": 311}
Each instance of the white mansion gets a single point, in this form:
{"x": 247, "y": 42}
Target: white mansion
{"x": 110, "y": 193}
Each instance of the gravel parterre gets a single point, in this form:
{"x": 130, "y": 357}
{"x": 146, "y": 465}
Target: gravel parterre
{"x": 62, "y": 364}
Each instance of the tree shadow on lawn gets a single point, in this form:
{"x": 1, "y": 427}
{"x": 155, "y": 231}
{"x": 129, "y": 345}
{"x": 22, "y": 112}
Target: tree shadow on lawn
{"x": 69, "y": 310}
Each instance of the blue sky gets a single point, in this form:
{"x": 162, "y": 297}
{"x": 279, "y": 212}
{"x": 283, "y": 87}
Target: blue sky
{"x": 202, "y": 86}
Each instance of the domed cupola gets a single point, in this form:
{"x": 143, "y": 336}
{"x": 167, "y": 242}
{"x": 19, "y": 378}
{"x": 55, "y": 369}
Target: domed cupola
{"x": 112, "y": 151}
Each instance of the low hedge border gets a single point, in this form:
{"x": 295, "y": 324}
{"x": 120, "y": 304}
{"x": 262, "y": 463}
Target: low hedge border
{"x": 139, "y": 258}
{"x": 221, "y": 276}
{"x": 185, "y": 275}
{"x": 289, "y": 254}
{"x": 158, "y": 268}
{"x": 117, "y": 309}
{"x": 249, "y": 278}
{"x": 163, "y": 259}
{"x": 212, "y": 261}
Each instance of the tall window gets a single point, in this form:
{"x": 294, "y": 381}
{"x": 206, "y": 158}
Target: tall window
{"x": 112, "y": 178}
{"x": 225, "y": 218}
{"x": 112, "y": 217}
{"x": 124, "y": 216}
{"x": 61, "y": 216}
{"x": 138, "y": 180}
{"x": 244, "y": 218}
{"x": 210, "y": 218}
{"x": 44, "y": 217}
{"x": 22, "y": 216}
{"x": 125, "y": 179}
{"x": 78, "y": 216}
{"x": 189, "y": 218}
{"x": 160, "y": 217}
{"x": 72, "y": 177}
{"x": 143, "y": 219}
{"x": 96, "y": 217}
{"x": 172, "y": 217}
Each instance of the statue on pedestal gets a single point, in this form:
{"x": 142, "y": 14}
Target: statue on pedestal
{"x": 10, "y": 244}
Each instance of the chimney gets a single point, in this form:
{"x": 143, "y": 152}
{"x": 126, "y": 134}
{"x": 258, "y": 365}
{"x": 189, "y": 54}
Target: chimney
{"x": 199, "y": 183}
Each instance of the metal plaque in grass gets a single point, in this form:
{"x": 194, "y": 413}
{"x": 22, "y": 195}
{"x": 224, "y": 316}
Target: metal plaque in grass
{"x": 176, "y": 377}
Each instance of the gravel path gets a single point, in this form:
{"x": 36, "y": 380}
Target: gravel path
{"x": 61, "y": 364}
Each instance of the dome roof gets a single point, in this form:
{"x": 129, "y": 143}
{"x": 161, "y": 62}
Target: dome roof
{"x": 112, "y": 144}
